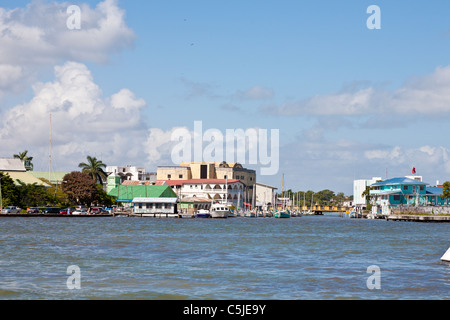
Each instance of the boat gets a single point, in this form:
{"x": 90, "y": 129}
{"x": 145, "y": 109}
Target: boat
{"x": 202, "y": 213}
{"x": 231, "y": 213}
{"x": 249, "y": 214}
{"x": 219, "y": 210}
{"x": 282, "y": 214}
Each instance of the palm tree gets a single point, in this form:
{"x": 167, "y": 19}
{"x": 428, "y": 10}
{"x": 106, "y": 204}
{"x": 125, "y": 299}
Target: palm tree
{"x": 94, "y": 168}
{"x": 25, "y": 159}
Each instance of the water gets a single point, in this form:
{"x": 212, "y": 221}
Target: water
{"x": 311, "y": 257}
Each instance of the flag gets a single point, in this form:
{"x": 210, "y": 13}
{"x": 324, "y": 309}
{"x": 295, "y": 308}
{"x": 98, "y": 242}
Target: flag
{"x": 414, "y": 171}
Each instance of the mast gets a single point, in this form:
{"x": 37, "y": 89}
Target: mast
{"x": 282, "y": 194}
{"x": 50, "y": 148}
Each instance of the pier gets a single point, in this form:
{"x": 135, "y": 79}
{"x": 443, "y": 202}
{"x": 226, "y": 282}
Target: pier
{"x": 418, "y": 218}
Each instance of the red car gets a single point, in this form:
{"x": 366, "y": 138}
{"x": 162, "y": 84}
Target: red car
{"x": 96, "y": 210}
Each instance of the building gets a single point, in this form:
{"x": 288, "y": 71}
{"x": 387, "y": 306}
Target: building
{"x": 359, "y": 186}
{"x": 211, "y": 170}
{"x": 55, "y": 178}
{"x": 404, "y": 191}
{"x": 130, "y": 173}
{"x": 230, "y": 191}
{"x": 265, "y": 195}
{"x": 127, "y": 175}
{"x": 16, "y": 170}
{"x": 160, "y": 206}
{"x": 127, "y": 193}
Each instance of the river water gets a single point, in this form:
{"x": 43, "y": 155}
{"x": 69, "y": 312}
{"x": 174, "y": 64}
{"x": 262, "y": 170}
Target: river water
{"x": 310, "y": 257}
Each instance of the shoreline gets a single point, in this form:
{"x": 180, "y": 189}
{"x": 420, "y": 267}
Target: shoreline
{"x": 417, "y": 218}
{"x": 37, "y": 215}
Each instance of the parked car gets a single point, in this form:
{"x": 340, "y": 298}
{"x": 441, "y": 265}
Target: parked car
{"x": 69, "y": 210}
{"x": 51, "y": 210}
{"x": 79, "y": 212}
{"x": 32, "y": 210}
{"x": 11, "y": 209}
{"x": 97, "y": 210}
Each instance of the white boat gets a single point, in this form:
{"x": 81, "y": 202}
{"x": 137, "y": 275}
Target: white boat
{"x": 219, "y": 210}
{"x": 203, "y": 213}
{"x": 250, "y": 214}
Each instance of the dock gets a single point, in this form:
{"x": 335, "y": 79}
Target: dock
{"x": 418, "y": 218}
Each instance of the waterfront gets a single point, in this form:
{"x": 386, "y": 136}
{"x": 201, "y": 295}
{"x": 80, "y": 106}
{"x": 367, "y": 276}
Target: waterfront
{"x": 310, "y": 257}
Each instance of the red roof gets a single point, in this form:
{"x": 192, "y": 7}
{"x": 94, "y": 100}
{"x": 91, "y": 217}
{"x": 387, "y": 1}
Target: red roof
{"x": 197, "y": 181}
{"x": 130, "y": 183}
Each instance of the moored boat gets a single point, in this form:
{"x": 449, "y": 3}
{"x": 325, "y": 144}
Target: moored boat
{"x": 219, "y": 210}
{"x": 202, "y": 213}
{"x": 282, "y": 214}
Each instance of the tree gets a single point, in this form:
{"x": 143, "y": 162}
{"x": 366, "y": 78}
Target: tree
{"x": 55, "y": 194}
{"x": 94, "y": 168}
{"x": 9, "y": 191}
{"x": 446, "y": 190}
{"x": 324, "y": 197}
{"x": 25, "y": 159}
{"x": 80, "y": 188}
{"x": 32, "y": 195}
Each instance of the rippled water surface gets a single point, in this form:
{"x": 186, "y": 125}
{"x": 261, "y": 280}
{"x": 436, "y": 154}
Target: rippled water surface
{"x": 313, "y": 257}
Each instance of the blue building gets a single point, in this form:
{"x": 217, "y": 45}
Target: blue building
{"x": 403, "y": 191}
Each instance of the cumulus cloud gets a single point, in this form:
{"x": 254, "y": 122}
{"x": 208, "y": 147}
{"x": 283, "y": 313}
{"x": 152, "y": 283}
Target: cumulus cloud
{"x": 37, "y": 37}
{"x": 428, "y": 160}
{"x": 424, "y": 95}
{"x": 83, "y": 121}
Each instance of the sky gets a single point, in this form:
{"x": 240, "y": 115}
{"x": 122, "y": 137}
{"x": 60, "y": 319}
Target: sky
{"x": 348, "y": 101}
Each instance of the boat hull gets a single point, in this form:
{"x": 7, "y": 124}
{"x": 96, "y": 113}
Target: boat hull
{"x": 219, "y": 214}
{"x": 282, "y": 215}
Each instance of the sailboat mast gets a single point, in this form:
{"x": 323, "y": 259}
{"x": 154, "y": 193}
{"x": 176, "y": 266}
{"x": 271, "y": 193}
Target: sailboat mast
{"x": 282, "y": 194}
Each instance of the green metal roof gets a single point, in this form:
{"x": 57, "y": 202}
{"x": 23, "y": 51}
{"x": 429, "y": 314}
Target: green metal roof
{"x": 129, "y": 192}
{"x": 55, "y": 177}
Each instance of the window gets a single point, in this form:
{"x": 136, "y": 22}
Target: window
{"x": 180, "y": 176}
{"x": 405, "y": 187}
{"x": 169, "y": 176}
{"x": 397, "y": 197}
{"x": 422, "y": 188}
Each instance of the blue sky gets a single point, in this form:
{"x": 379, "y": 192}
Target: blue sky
{"x": 349, "y": 102}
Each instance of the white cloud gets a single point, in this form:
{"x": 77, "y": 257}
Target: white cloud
{"x": 256, "y": 93}
{"x": 428, "y": 160}
{"x": 83, "y": 121}
{"x": 37, "y": 37}
{"x": 421, "y": 95}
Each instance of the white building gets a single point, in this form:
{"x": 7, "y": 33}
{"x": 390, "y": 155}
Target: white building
{"x": 264, "y": 195}
{"x": 229, "y": 191}
{"x": 131, "y": 173}
{"x": 359, "y": 186}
